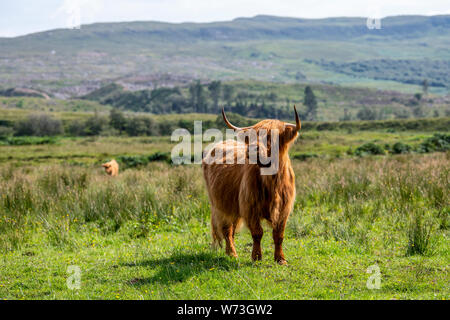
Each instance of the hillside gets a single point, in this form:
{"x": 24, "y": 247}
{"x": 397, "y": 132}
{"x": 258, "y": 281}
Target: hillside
{"x": 243, "y": 29}
{"x": 249, "y": 98}
{"x": 143, "y": 55}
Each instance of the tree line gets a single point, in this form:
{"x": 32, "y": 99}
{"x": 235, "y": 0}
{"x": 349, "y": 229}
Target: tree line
{"x": 117, "y": 123}
{"x": 204, "y": 98}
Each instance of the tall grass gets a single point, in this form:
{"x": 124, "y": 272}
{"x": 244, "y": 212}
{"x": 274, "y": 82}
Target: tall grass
{"x": 419, "y": 234}
{"x": 55, "y": 196}
{"x": 394, "y": 205}
{"x": 376, "y": 204}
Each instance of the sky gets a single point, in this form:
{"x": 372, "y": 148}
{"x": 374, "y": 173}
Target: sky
{"x": 19, "y": 17}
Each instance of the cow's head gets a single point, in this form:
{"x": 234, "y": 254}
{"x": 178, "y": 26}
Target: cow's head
{"x": 287, "y": 132}
{"x": 108, "y": 167}
{"x": 271, "y": 140}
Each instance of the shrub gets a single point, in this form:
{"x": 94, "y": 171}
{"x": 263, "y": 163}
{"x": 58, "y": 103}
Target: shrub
{"x": 6, "y": 131}
{"x": 22, "y": 141}
{"x": 350, "y": 151}
{"x": 141, "y": 160}
{"x": 160, "y": 156}
{"x": 94, "y": 125}
{"x": 117, "y": 119}
{"x": 366, "y": 114}
{"x": 75, "y": 128}
{"x": 304, "y": 156}
{"x": 400, "y": 147}
{"x": 140, "y": 126}
{"x": 132, "y": 161}
{"x": 39, "y": 125}
{"x": 369, "y": 149}
{"x": 438, "y": 142}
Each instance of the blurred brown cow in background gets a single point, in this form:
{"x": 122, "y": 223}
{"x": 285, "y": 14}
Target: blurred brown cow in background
{"x": 111, "y": 168}
{"x": 239, "y": 192}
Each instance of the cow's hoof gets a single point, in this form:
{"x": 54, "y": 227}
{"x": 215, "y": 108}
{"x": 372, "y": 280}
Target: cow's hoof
{"x": 257, "y": 257}
{"x": 282, "y": 262}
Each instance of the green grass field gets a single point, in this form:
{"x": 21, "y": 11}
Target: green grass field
{"x": 145, "y": 234}
{"x": 372, "y": 212}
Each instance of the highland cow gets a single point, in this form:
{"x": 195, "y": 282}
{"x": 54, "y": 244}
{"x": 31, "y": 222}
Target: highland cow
{"x": 111, "y": 168}
{"x": 241, "y": 193}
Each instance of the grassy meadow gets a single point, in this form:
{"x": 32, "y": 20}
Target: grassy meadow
{"x": 371, "y": 164}
{"x": 145, "y": 233}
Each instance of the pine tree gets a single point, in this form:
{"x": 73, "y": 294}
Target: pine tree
{"x": 197, "y": 94}
{"x": 425, "y": 86}
{"x": 228, "y": 93}
{"x": 311, "y": 104}
{"x": 215, "y": 89}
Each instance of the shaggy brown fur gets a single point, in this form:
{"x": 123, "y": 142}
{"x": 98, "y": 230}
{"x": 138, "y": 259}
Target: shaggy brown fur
{"x": 240, "y": 193}
{"x": 111, "y": 168}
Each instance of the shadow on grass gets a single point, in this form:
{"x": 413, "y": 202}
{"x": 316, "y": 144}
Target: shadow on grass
{"x": 182, "y": 266}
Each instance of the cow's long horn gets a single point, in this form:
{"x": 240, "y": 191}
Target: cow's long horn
{"x": 229, "y": 124}
{"x": 298, "y": 124}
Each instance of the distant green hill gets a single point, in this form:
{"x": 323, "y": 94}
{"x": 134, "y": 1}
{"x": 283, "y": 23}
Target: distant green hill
{"x": 241, "y": 29}
{"x": 148, "y": 54}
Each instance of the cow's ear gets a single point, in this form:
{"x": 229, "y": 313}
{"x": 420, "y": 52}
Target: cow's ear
{"x": 104, "y": 165}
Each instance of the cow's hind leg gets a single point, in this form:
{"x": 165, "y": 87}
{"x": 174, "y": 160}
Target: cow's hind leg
{"x": 216, "y": 228}
{"x": 222, "y": 227}
{"x": 278, "y": 236}
{"x": 236, "y": 225}
{"x": 257, "y": 233}
{"x": 228, "y": 233}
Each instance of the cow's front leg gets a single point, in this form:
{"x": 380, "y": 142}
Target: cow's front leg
{"x": 278, "y": 236}
{"x": 257, "y": 233}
